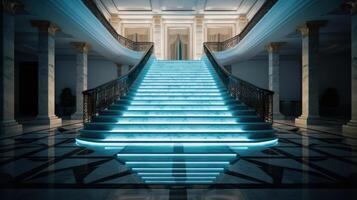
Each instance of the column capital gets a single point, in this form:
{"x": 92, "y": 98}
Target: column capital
{"x": 115, "y": 18}
{"x": 274, "y": 47}
{"x": 350, "y": 5}
{"x": 156, "y": 17}
{"x": 199, "y": 17}
{"x": 310, "y": 26}
{"x": 10, "y": 6}
{"x": 242, "y": 18}
{"x": 82, "y": 47}
{"x": 45, "y": 26}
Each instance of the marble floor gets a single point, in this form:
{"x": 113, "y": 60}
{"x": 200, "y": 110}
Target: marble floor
{"x": 306, "y": 164}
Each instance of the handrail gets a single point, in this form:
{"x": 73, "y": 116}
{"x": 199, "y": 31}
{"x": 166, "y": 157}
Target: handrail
{"x": 231, "y": 42}
{"x": 133, "y": 45}
{"x": 101, "y": 97}
{"x": 258, "y": 98}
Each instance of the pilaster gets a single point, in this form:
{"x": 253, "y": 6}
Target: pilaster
{"x": 8, "y": 125}
{"x": 199, "y": 36}
{"x": 81, "y": 76}
{"x": 242, "y": 22}
{"x": 350, "y": 129}
{"x": 310, "y": 78}
{"x": 46, "y": 74}
{"x": 157, "y": 21}
{"x": 274, "y": 76}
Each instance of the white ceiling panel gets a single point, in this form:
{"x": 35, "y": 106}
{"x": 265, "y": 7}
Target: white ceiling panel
{"x": 222, "y": 5}
{"x": 178, "y": 5}
{"x": 128, "y": 5}
{"x": 158, "y": 7}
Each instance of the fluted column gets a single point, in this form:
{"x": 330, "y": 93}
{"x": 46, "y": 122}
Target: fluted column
{"x": 310, "y": 73}
{"x": 157, "y": 22}
{"x": 350, "y": 129}
{"x": 8, "y": 125}
{"x": 199, "y": 36}
{"x": 81, "y": 76}
{"x": 274, "y": 76}
{"x": 46, "y": 74}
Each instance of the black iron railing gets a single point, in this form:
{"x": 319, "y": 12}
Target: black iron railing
{"x": 101, "y": 97}
{"x": 231, "y": 42}
{"x": 133, "y": 45}
{"x": 258, "y": 98}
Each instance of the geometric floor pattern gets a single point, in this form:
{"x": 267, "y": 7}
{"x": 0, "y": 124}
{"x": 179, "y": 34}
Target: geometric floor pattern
{"x": 305, "y": 164}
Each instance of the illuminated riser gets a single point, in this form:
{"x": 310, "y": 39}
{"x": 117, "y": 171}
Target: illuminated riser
{"x": 202, "y": 128}
{"x": 175, "y": 157}
{"x": 175, "y": 113}
{"x": 168, "y": 165}
{"x": 178, "y": 120}
{"x": 176, "y": 107}
{"x": 172, "y": 102}
{"x": 179, "y": 90}
{"x": 183, "y": 174}
{"x": 201, "y": 137}
{"x": 177, "y": 98}
{"x": 178, "y": 170}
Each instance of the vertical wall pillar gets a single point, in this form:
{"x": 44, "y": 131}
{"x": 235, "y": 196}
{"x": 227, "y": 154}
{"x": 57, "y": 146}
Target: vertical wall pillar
{"x": 81, "y": 76}
{"x": 350, "y": 129}
{"x": 115, "y": 22}
{"x": 242, "y": 22}
{"x": 124, "y": 69}
{"x": 199, "y": 36}
{"x": 46, "y": 74}
{"x": 310, "y": 74}
{"x": 8, "y": 125}
{"x": 274, "y": 76}
{"x": 157, "y": 21}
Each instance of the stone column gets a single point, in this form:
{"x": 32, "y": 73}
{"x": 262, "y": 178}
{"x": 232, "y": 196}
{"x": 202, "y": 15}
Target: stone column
{"x": 124, "y": 69}
{"x": 310, "y": 73}
{"x": 350, "y": 129}
{"x": 115, "y": 22}
{"x": 157, "y": 36}
{"x": 199, "y": 36}
{"x": 46, "y": 74}
{"x": 274, "y": 76}
{"x": 81, "y": 76}
{"x": 242, "y": 22}
{"x": 8, "y": 125}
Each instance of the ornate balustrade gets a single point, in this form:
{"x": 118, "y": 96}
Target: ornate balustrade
{"x": 101, "y": 97}
{"x": 231, "y": 42}
{"x": 136, "y": 46}
{"x": 258, "y": 98}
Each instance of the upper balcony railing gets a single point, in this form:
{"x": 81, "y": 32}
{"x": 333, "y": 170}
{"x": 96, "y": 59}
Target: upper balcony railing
{"x": 133, "y": 45}
{"x": 231, "y": 42}
{"x": 101, "y": 97}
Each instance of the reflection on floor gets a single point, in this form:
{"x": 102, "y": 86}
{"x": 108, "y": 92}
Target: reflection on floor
{"x": 305, "y": 164}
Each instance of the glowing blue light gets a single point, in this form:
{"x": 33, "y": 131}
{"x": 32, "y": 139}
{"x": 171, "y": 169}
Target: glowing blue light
{"x": 178, "y": 169}
{"x": 174, "y": 162}
{"x": 175, "y": 182}
{"x": 172, "y": 177}
{"x": 177, "y": 173}
{"x": 233, "y": 144}
{"x": 175, "y": 155}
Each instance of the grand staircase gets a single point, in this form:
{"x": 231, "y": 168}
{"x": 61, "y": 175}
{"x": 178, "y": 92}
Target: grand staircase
{"x": 177, "y": 124}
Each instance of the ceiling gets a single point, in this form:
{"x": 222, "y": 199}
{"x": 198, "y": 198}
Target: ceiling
{"x": 118, "y": 7}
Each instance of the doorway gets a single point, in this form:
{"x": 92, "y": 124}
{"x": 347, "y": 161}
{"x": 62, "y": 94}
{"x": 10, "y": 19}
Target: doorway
{"x": 28, "y": 89}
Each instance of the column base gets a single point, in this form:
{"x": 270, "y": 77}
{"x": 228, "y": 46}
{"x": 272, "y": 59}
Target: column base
{"x": 10, "y": 127}
{"x": 278, "y": 116}
{"x": 52, "y": 121}
{"x": 77, "y": 116}
{"x": 304, "y": 121}
{"x": 350, "y": 129}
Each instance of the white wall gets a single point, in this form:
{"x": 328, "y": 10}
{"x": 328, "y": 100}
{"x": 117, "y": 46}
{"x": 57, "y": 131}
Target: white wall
{"x": 99, "y": 72}
{"x": 256, "y": 72}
